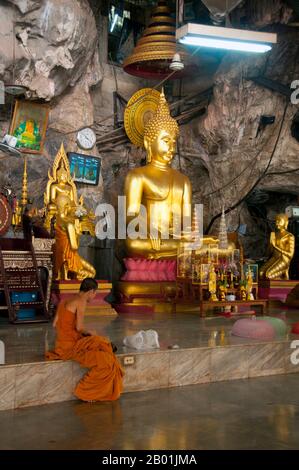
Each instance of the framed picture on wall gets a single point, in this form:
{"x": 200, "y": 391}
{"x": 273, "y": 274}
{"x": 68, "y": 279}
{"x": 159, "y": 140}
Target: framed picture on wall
{"x": 196, "y": 268}
{"x": 254, "y": 269}
{"x": 204, "y": 273}
{"x": 213, "y": 253}
{"x": 29, "y": 125}
{"x": 85, "y": 168}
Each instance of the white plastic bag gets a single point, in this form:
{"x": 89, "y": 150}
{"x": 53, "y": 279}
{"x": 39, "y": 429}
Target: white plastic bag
{"x": 151, "y": 339}
{"x": 143, "y": 340}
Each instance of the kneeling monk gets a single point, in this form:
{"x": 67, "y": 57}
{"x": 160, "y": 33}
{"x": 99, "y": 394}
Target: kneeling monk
{"x": 104, "y": 379}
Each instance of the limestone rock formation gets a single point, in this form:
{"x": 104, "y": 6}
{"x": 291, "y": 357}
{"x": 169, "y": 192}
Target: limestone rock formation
{"x": 51, "y": 46}
{"x": 47, "y": 44}
{"x": 233, "y": 151}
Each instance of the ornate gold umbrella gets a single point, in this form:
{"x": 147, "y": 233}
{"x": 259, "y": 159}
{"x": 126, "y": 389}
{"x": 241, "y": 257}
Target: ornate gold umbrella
{"x": 155, "y": 50}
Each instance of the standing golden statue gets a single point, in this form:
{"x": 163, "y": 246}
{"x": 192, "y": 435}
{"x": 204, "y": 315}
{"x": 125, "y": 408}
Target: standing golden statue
{"x": 212, "y": 284}
{"x": 71, "y": 220}
{"x": 249, "y": 284}
{"x": 164, "y": 192}
{"x": 283, "y": 245}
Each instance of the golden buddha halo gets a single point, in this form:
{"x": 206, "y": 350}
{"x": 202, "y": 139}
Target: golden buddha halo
{"x": 140, "y": 109}
{"x": 161, "y": 120}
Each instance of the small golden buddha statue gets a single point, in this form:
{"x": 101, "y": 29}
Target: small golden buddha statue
{"x": 163, "y": 191}
{"x": 243, "y": 292}
{"x": 212, "y": 284}
{"x": 283, "y": 245}
{"x": 17, "y": 215}
{"x": 222, "y": 292}
{"x": 71, "y": 220}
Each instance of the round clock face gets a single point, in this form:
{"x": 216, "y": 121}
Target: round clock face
{"x": 86, "y": 138}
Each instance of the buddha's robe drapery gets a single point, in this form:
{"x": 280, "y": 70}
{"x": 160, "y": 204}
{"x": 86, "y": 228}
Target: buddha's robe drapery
{"x": 103, "y": 381}
{"x": 63, "y": 252}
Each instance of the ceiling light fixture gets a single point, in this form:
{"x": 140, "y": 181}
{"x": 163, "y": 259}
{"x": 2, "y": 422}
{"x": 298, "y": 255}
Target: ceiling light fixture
{"x": 176, "y": 63}
{"x": 114, "y": 22}
{"x": 225, "y": 38}
{"x": 16, "y": 90}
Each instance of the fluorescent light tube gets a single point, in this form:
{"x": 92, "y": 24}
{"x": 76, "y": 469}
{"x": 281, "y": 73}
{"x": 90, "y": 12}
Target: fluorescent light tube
{"x": 225, "y": 44}
{"x": 225, "y": 38}
{"x": 114, "y": 22}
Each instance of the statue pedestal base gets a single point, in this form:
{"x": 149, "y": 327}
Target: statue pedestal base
{"x": 276, "y": 290}
{"x": 62, "y": 290}
{"x": 150, "y": 286}
{"x": 145, "y": 297}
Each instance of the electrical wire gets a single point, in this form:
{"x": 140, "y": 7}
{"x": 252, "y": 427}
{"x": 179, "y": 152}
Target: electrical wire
{"x": 259, "y": 178}
{"x": 235, "y": 178}
{"x": 282, "y": 172}
{"x": 264, "y": 174}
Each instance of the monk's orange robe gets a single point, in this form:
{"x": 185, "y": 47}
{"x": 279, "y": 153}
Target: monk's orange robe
{"x": 104, "y": 379}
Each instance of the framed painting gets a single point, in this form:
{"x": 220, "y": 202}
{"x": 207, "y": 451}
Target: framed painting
{"x": 29, "y": 125}
{"x": 85, "y": 168}
{"x": 213, "y": 253}
{"x": 196, "y": 272}
{"x": 254, "y": 269}
{"x": 204, "y": 273}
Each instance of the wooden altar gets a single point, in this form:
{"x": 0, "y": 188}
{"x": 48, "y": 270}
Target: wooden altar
{"x": 14, "y": 257}
{"x": 197, "y": 293}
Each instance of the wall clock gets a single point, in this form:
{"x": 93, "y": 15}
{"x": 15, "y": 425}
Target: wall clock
{"x": 86, "y": 138}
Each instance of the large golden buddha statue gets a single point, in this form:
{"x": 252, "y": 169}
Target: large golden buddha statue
{"x": 70, "y": 218}
{"x": 164, "y": 192}
{"x": 283, "y": 245}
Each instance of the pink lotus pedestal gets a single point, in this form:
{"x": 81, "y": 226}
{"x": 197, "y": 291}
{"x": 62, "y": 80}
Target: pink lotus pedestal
{"x": 148, "y": 286}
{"x": 63, "y": 290}
{"x": 149, "y": 270}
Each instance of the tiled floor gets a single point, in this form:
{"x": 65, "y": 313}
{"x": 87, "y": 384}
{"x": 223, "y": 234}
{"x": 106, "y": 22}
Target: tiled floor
{"x": 28, "y": 343}
{"x": 260, "y": 413}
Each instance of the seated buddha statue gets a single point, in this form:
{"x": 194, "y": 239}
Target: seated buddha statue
{"x": 61, "y": 193}
{"x": 164, "y": 192}
{"x": 71, "y": 220}
{"x": 283, "y": 246}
